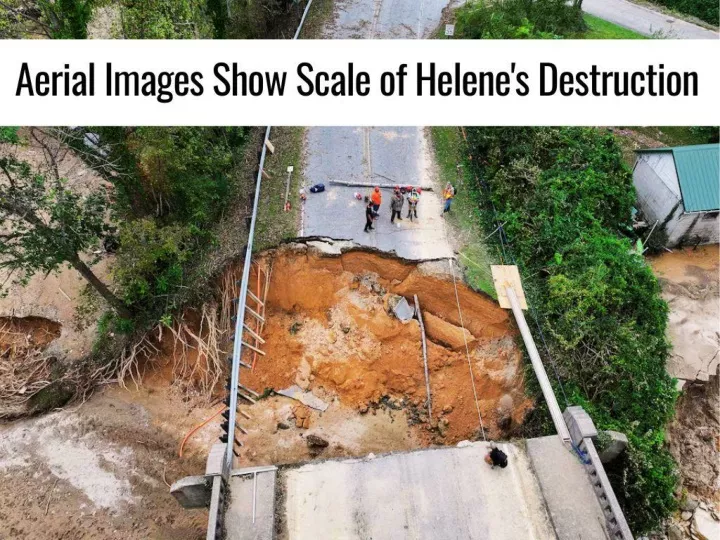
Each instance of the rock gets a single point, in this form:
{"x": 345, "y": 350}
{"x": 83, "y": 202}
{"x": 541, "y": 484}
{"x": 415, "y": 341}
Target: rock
{"x": 686, "y": 516}
{"x": 345, "y": 328}
{"x": 616, "y": 446}
{"x": 447, "y": 409}
{"x": 446, "y": 333}
{"x": 675, "y": 532}
{"x": 302, "y": 416}
{"x": 302, "y": 378}
{"x": 689, "y": 505}
{"x": 364, "y": 409}
{"x": 704, "y": 526}
{"x": 443, "y": 426}
{"x": 315, "y": 441}
{"x": 283, "y": 425}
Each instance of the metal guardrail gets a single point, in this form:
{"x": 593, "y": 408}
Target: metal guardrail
{"x": 538, "y": 367}
{"x": 220, "y": 486}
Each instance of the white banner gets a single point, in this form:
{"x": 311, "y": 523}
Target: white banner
{"x": 360, "y": 82}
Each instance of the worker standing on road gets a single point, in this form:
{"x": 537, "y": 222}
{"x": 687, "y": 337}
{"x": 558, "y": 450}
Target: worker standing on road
{"x": 396, "y": 205}
{"x": 448, "y": 195}
{"x": 376, "y": 198}
{"x": 496, "y": 458}
{"x": 413, "y": 200}
{"x": 370, "y": 215}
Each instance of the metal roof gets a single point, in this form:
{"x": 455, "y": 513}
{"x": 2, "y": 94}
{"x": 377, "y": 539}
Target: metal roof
{"x": 698, "y": 171}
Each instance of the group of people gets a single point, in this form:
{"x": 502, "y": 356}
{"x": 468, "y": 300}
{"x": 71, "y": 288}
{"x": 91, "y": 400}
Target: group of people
{"x": 372, "y": 209}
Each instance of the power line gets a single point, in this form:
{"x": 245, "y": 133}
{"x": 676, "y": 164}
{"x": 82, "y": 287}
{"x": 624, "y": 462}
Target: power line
{"x": 467, "y": 350}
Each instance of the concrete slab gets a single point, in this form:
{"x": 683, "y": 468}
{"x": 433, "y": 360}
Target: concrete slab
{"x": 573, "y": 505}
{"x": 241, "y": 523}
{"x": 445, "y": 493}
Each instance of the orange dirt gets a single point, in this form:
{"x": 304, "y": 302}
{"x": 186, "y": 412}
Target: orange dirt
{"x": 27, "y": 332}
{"x": 329, "y": 330}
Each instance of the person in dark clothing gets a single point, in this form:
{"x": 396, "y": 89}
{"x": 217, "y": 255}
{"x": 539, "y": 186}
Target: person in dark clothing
{"x": 396, "y": 206}
{"x": 370, "y": 215}
{"x": 496, "y": 458}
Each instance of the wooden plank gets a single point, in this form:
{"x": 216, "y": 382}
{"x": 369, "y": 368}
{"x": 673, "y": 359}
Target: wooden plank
{"x": 253, "y": 334}
{"x": 253, "y": 297}
{"x": 505, "y": 276}
{"x": 256, "y": 315}
{"x": 270, "y": 146}
{"x": 252, "y": 348}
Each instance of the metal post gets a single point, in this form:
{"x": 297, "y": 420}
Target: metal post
{"x": 537, "y": 364}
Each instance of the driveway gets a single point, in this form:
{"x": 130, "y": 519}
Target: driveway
{"x": 387, "y": 155}
{"x": 645, "y": 21}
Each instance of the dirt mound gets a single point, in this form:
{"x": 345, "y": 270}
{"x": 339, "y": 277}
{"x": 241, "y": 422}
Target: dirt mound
{"x": 329, "y": 330}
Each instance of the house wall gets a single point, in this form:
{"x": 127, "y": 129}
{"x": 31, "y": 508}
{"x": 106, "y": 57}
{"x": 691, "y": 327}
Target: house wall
{"x": 656, "y": 183}
{"x": 659, "y": 197}
{"x": 691, "y": 227}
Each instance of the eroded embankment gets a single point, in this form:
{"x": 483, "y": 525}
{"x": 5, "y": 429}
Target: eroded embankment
{"x": 330, "y": 330}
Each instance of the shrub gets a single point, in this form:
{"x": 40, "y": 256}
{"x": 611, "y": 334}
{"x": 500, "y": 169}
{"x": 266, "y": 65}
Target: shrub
{"x": 149, "y": 264}
{"x": 565, "y": 197}
{"x": 707, "y": 10}
{"x": 517, "y": 19}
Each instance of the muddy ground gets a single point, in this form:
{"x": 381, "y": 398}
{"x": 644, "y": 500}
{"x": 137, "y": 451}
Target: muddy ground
{"x": 102, "y": 468}
{"x": 689, "y": 279}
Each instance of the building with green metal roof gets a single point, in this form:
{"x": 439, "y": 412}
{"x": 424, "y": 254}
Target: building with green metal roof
{"x": 678, "y": 190}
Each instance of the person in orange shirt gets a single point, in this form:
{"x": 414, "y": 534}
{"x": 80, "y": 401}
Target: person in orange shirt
{"x": 376, "y": 198}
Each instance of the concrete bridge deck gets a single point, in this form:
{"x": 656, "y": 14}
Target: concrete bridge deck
{"x": 441, "y": 493}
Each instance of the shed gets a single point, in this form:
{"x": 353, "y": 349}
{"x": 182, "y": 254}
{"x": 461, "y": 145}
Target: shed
{"x": 679, "y": 189}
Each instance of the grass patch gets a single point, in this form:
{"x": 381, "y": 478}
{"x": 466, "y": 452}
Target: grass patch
{"x": 631, "y": 139}
{"x": 598, "y": 28}
{"x": 274, "y": 224}
{"x": 320, "y": 12}
{"x": 465, "y": 216}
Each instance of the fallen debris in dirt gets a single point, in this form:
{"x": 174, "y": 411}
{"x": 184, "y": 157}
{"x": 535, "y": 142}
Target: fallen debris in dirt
{"x": 694, "y": 438}
{"x": 306, "y": 398}
{"x": 329, "y": 334}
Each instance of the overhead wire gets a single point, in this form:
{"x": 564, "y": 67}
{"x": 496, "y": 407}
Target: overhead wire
{"x": 467, "y": 351}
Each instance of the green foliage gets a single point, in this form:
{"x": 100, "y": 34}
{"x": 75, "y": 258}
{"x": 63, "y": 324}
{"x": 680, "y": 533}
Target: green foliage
{"x": 518, "y": 19}
{"x": 165, "y": 19}
{"x": 149, "y": 263}
{"x": 44, "y": 223}
{"x": 9, "y": 135}
{"x": 263, "y": 18}
{"x": 178, "y": 174}
{"x": 219, "y": 15}
{"x": 57, "y": 19}
{"x": 707, "y": 10}
{"x": 565, "y": 197}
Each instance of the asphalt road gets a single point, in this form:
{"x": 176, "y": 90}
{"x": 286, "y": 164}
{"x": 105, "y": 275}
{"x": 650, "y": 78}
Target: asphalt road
{"x": 645, "y": 21}
{"x": 376, "y": 155}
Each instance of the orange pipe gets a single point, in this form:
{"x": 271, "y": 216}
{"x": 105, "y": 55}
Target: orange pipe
{"x": 196, "y": 428}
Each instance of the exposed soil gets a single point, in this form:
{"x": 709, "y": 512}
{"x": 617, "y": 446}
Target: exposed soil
{"x": 689, "y": 280}
{"x": 695, "y": 439}
{"x": 27, "y": 332}
{"x": 330, "y": 330}
{"x": 98, "y": 470}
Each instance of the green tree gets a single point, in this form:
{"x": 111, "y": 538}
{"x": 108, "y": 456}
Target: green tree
{"x": 165, "y": 19}
{"x": 44, "y": 225}
{"x": 57, "y": 19}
